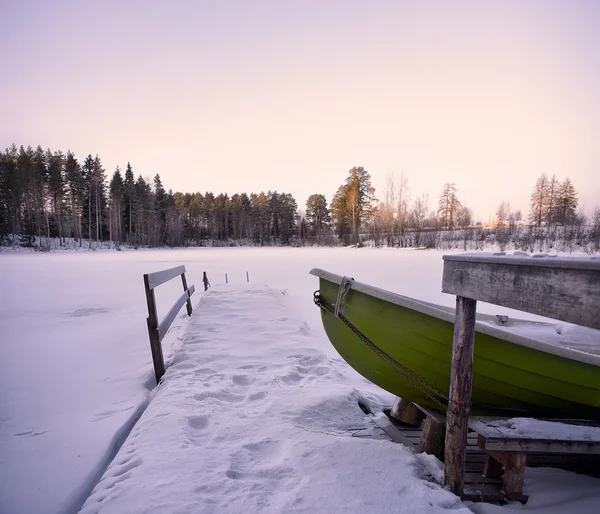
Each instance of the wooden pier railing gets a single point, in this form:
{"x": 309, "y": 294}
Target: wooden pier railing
{"x": 157, "y": 330}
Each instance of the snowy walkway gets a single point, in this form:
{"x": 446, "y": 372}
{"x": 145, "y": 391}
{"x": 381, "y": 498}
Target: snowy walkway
{"x": 252, "y": 417}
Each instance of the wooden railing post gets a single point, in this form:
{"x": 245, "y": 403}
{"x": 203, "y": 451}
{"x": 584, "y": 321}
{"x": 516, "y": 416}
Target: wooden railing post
{"x": 459, "y": 406}
{"x": 152, "y": 321}
{"x": 156, "y": 330}
{"x": 185, "y": 288}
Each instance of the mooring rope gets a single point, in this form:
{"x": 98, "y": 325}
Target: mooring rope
{"x": 412, "y": 377}
{"x": 340, "y": 303}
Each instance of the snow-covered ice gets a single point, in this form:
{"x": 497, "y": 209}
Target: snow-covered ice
{"x": 76, "y": 374}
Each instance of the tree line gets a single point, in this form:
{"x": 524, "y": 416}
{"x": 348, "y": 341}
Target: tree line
{"x": 49, "y": 194}
{"x": 46, "y": 194}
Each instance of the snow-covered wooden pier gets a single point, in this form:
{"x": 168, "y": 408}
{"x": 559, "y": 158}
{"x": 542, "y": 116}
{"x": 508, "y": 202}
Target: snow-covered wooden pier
{"x": 251, "y": 416}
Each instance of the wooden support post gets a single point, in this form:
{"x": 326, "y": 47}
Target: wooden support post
{"x": 247, "y": 277}
{"x": 514, "y": 471}
{"x": 189, "y": 301}
{"x": 514, "y": 475}
{"x": 205, "y": 280}
{"x": 226, "y": 281}
{"x": 407, "y": 412}
{"x": 152, "y": 321}
{"x": 459, "y": 407}
{"x": 492, "y": 468}
{"x": 433, "y": 437}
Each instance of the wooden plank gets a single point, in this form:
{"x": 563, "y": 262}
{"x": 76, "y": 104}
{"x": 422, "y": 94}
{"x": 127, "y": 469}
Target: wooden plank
{"x": 433, "y": 437}
{"x": 514, "y": 470}
{"x": 461, "y": 376}
{"x": 542, "y": 446}
{"x": 160, "y": 277}
{"x": 482, "y": 492}
{"x": 168, "y": 319}
{"x": 492, "y": 468}
{"x": 395, "y": 434}
{"x": 439, "y": 416}
{"x": 560, "y": 289}
{"x": 407, "y": 412}
{"x": 478, "y": 478}
{"x": 185, "y": 288}
{"x": 152, "y": 322}
{"x": 540, "y": 260}
{"x": 484, "y": 430}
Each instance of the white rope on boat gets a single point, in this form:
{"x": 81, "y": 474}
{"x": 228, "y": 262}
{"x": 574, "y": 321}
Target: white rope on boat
{"x": 345, "y": 286}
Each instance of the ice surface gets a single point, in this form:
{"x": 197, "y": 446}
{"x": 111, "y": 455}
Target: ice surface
{"x": 76, "y": 369}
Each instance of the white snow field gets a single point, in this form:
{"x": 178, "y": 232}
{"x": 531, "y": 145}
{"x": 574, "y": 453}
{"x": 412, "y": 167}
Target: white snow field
{"x": 273, "y": 425}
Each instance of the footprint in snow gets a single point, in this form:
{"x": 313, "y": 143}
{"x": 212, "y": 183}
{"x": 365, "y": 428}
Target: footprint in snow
{"x": 242, "y": 380}
{"x": 196, "y": 427}
{"x": 30, "y": 433}
{"x": 109, "y": 414}
{"x": 304, "y": 329}
{"x": 220, "y": 395}
{"x": 255, "y": 397}
{"x": 77, "y": 313}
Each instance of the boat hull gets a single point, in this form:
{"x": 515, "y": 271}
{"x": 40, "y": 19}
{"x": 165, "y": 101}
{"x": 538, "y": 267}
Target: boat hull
{"x": 508, "y": 378}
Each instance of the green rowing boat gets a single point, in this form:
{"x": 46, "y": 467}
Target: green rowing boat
{"x": 405, "y": 347}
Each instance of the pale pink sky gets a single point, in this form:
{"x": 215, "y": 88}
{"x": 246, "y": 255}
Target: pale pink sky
{"x": 248, "y": 96}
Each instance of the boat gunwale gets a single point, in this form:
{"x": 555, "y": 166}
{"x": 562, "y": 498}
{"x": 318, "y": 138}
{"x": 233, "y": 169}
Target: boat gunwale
{"x": 438, "y": 312}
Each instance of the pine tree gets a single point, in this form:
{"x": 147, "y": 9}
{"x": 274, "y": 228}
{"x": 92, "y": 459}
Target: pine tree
{"x": 25, "y": 172}
{"x": 539, "y": 201}
{"x": 566, "y": 203}
{"x": 261, "y": 218}
{"x": 39, "y": 178}
{"x": 129, "y": 201}
{"x": 87, "y": 171}
{"x": 318, "y": 216}
{"x": 99, "y": 185}
{"x": 11, "y": 192}
{"x": 240, "y": 215}
{"x": 551, "y": 200}
{"x": 56, "y": 187}
{"x": 449, "y": 206}
{"x": 76, "y": 183}
{"x": 117, "y": 192}
{"x": 160, "y": 211}
{"x": 143, "y": 205}
{"x": 287, "y": 219}
{"x": 221, "y": 217}
{"x": 353, "y": 202}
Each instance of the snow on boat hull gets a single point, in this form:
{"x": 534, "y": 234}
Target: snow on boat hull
{"x": 512, "y": 374}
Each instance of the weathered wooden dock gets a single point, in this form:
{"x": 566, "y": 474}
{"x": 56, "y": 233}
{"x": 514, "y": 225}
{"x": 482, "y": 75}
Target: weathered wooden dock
{"x": 478, "y": 486}
{"x": 565, "y": 289}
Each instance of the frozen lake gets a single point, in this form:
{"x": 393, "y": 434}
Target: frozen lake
{"x": 76, "y": 364}
{"x": 76, "y": 361}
